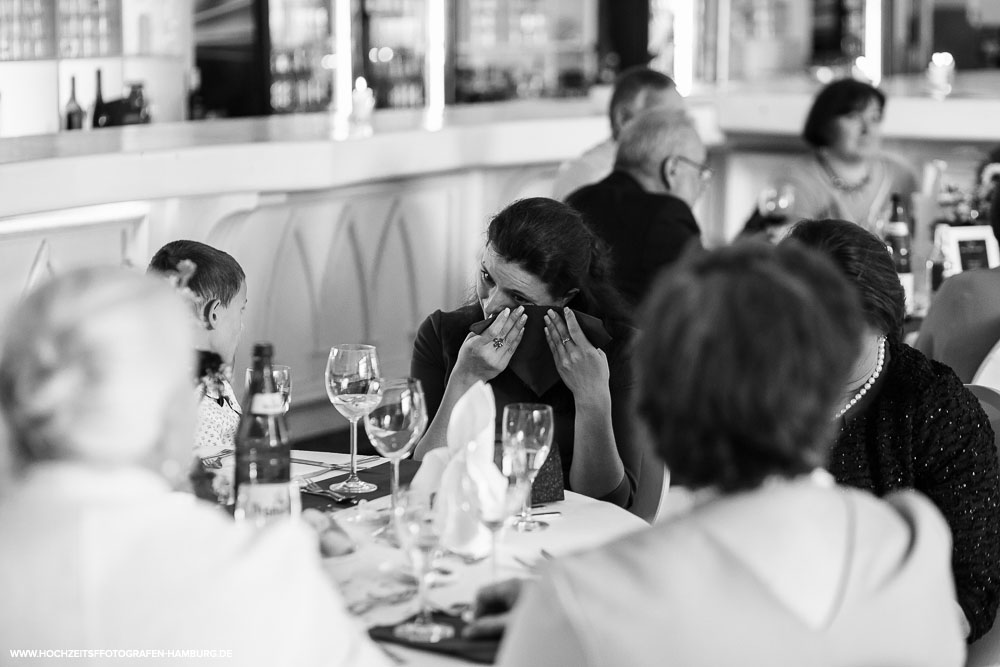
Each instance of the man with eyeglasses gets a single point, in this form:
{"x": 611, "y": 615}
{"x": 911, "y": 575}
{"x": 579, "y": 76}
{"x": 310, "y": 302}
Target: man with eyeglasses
{"x": 643, "y": 209}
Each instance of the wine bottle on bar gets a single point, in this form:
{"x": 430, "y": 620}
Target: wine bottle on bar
{"x": 100, "y": 108}
{"x": 74, "y": 112}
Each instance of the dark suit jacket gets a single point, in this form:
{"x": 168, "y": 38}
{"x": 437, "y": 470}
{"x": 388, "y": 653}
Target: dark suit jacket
{"x": 646, "y": 230}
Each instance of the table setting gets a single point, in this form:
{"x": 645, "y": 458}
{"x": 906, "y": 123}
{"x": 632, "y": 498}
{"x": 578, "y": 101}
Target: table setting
{"x": 434, "y": 532}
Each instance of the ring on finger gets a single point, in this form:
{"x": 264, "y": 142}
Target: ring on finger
{"x": 567, "y": 341}
{"x": 498, "y": 342}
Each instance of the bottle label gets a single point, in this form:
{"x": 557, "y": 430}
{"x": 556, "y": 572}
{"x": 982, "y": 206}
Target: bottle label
{"x": 260, "y": 504}
{"x": 267, "y": 404}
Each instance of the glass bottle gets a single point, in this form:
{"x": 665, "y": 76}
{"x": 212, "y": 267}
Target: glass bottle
{"x": 262, "y": 480}
{"x": 101, "y": 116}
{"x": 937, "y": 263}
{"x": 74, "y": 112}
{"x": 899, "y": 243}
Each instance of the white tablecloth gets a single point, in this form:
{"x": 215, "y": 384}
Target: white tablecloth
{"x": 372, "y": 571}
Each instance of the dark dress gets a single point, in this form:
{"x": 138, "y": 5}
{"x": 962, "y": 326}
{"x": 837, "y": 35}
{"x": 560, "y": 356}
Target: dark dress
{"x": 645, "y": 230}
{"x": 920, "y": 428}
{"x": 435, "y": 352}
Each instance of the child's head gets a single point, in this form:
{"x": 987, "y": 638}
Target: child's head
{"x": 219, "y": 285}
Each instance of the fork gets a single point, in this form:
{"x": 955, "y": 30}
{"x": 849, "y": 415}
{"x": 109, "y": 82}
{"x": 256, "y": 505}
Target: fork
{"x": 312, "y": 487}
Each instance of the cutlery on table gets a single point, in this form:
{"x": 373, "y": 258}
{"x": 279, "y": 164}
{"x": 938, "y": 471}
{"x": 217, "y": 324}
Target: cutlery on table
{"x": 311, "y": 487}
{"x": 335, "y": 466}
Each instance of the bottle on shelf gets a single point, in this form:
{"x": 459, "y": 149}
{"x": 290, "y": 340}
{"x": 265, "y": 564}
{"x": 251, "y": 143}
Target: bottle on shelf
{"x": 101, "y": 111}
{"x": 262, "y": 482}
{"x": 74, "y": 112}
{"x": 899, "y": 242}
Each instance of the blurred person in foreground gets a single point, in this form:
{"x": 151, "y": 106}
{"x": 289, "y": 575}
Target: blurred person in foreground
{"x": 539, "y": 252}
{"x": 847, "y": 175}
{"x": 215, "y": 286}
{"x": 906, "y": 422}
{"x": 743, "y": 354}
{"x": 635, "y": 90}
{"x": 643, "y": 209}
{"x": 97, "y": 551}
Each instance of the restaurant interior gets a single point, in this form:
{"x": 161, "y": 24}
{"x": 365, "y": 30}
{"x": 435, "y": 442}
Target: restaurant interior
{"x": 353, "y": 156}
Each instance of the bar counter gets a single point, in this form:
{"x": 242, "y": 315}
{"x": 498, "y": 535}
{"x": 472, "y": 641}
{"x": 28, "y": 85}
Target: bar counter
{"x": 349, "y": 239}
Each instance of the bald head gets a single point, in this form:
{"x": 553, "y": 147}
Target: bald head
{"x": 638, "y": 89}
{"x": 649, "y": 140}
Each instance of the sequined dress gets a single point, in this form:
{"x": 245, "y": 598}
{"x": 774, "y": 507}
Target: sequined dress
{"x": 920, "y": 428}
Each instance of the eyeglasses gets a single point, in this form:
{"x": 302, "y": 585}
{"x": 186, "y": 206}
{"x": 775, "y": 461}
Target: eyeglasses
{"x": 704, "y": 172}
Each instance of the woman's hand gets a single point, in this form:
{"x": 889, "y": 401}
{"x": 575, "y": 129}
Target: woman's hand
{"x": 486, "y": 355}
{"x": 494, "y": 604}
{"x": 582, "y": 367}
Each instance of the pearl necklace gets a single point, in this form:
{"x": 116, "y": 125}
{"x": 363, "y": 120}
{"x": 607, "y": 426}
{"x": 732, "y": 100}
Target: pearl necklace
{"x": 838, "y": 181}
{"x": 869, "y": 383}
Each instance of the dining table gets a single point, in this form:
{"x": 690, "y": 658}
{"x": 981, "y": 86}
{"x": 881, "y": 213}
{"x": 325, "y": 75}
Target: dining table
{"x": 376, "y": 581}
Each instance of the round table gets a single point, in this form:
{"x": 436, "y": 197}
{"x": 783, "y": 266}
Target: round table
{"x": 370, "y": 575}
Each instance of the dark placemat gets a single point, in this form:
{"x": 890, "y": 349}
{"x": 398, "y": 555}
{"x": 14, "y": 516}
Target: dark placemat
{"x": 379, "y": 475}
{"x": 483, "y": 651}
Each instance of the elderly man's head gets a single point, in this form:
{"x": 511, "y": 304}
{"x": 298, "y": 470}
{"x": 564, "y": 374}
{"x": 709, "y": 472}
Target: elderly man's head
{"x": 96, "y": 369}
{"x": 638, "y": 89}
{"x": 662, "y": 150}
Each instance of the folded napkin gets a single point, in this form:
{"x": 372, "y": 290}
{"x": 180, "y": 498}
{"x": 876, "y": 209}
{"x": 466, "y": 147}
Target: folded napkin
{"x": 463, "y": 474}
{"x": 483, "y": 651}
{"x": 532, "y": 361}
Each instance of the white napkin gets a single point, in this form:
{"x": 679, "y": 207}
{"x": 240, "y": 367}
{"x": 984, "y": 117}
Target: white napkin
{"x": 463, "y": 474}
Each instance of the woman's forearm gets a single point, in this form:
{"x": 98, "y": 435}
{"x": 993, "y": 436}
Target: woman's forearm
{"x": 597, "y": 468}
{"x": 436, "y": 434}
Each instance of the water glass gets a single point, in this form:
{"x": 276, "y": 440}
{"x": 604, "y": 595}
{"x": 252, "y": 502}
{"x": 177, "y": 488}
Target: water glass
{"x": 282, "y": 382}
{"x": 395, "y": 425}
{"x": 527, "y": 438}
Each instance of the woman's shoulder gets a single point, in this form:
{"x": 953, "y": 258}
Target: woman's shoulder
{"x": 927, "y": 387}
{"x": 446, "y": 322}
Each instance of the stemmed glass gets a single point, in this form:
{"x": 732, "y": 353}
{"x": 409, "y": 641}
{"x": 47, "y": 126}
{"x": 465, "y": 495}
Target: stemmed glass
{"x": 419, "y": 530}
{"x": 352, "y": 383}
{"x": 282, "y": 382}
{"x": 494, "y": 516}
{"x": 397, "y": 422}
{"x": 527, "y": 437}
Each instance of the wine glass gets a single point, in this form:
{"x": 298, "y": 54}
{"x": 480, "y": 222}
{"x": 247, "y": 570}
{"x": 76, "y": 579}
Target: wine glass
{"x": 282, "y": 382}
{"x": 352, "y": 383}
{"x": 418, "y": 528}
{"x": 397, "y": 422}
{"x": 527, "y": 437}
{"x": 495, "y": 515}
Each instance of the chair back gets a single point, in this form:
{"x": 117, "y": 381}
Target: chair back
{"x": 988, "y": 373}
{"x": 985, "y": 651}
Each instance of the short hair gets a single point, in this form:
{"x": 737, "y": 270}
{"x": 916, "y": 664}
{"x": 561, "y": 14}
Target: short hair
{"x": 864, "y": 260}
{"x": 632, "y": 86}
{"x": 837, "y": 99}
{"x": 651, "y": 137}
{"x": 92, "y": 361}
{"x": 743, "y": 354}
{"x": 551, "y": 241}
{"x": 217, "y": 274}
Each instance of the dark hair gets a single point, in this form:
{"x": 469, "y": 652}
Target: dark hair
{"x": 743, "y": 353}
{"x": 864, "y": 259}
{"x": 550, "y": 240}
{"x": 217, "y": 275}
{"x": 635, "y": 80}
{"x": 837, "y": 99}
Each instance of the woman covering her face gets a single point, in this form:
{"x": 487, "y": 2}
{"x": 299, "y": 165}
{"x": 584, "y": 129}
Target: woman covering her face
{"x": 541, "y": 261}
